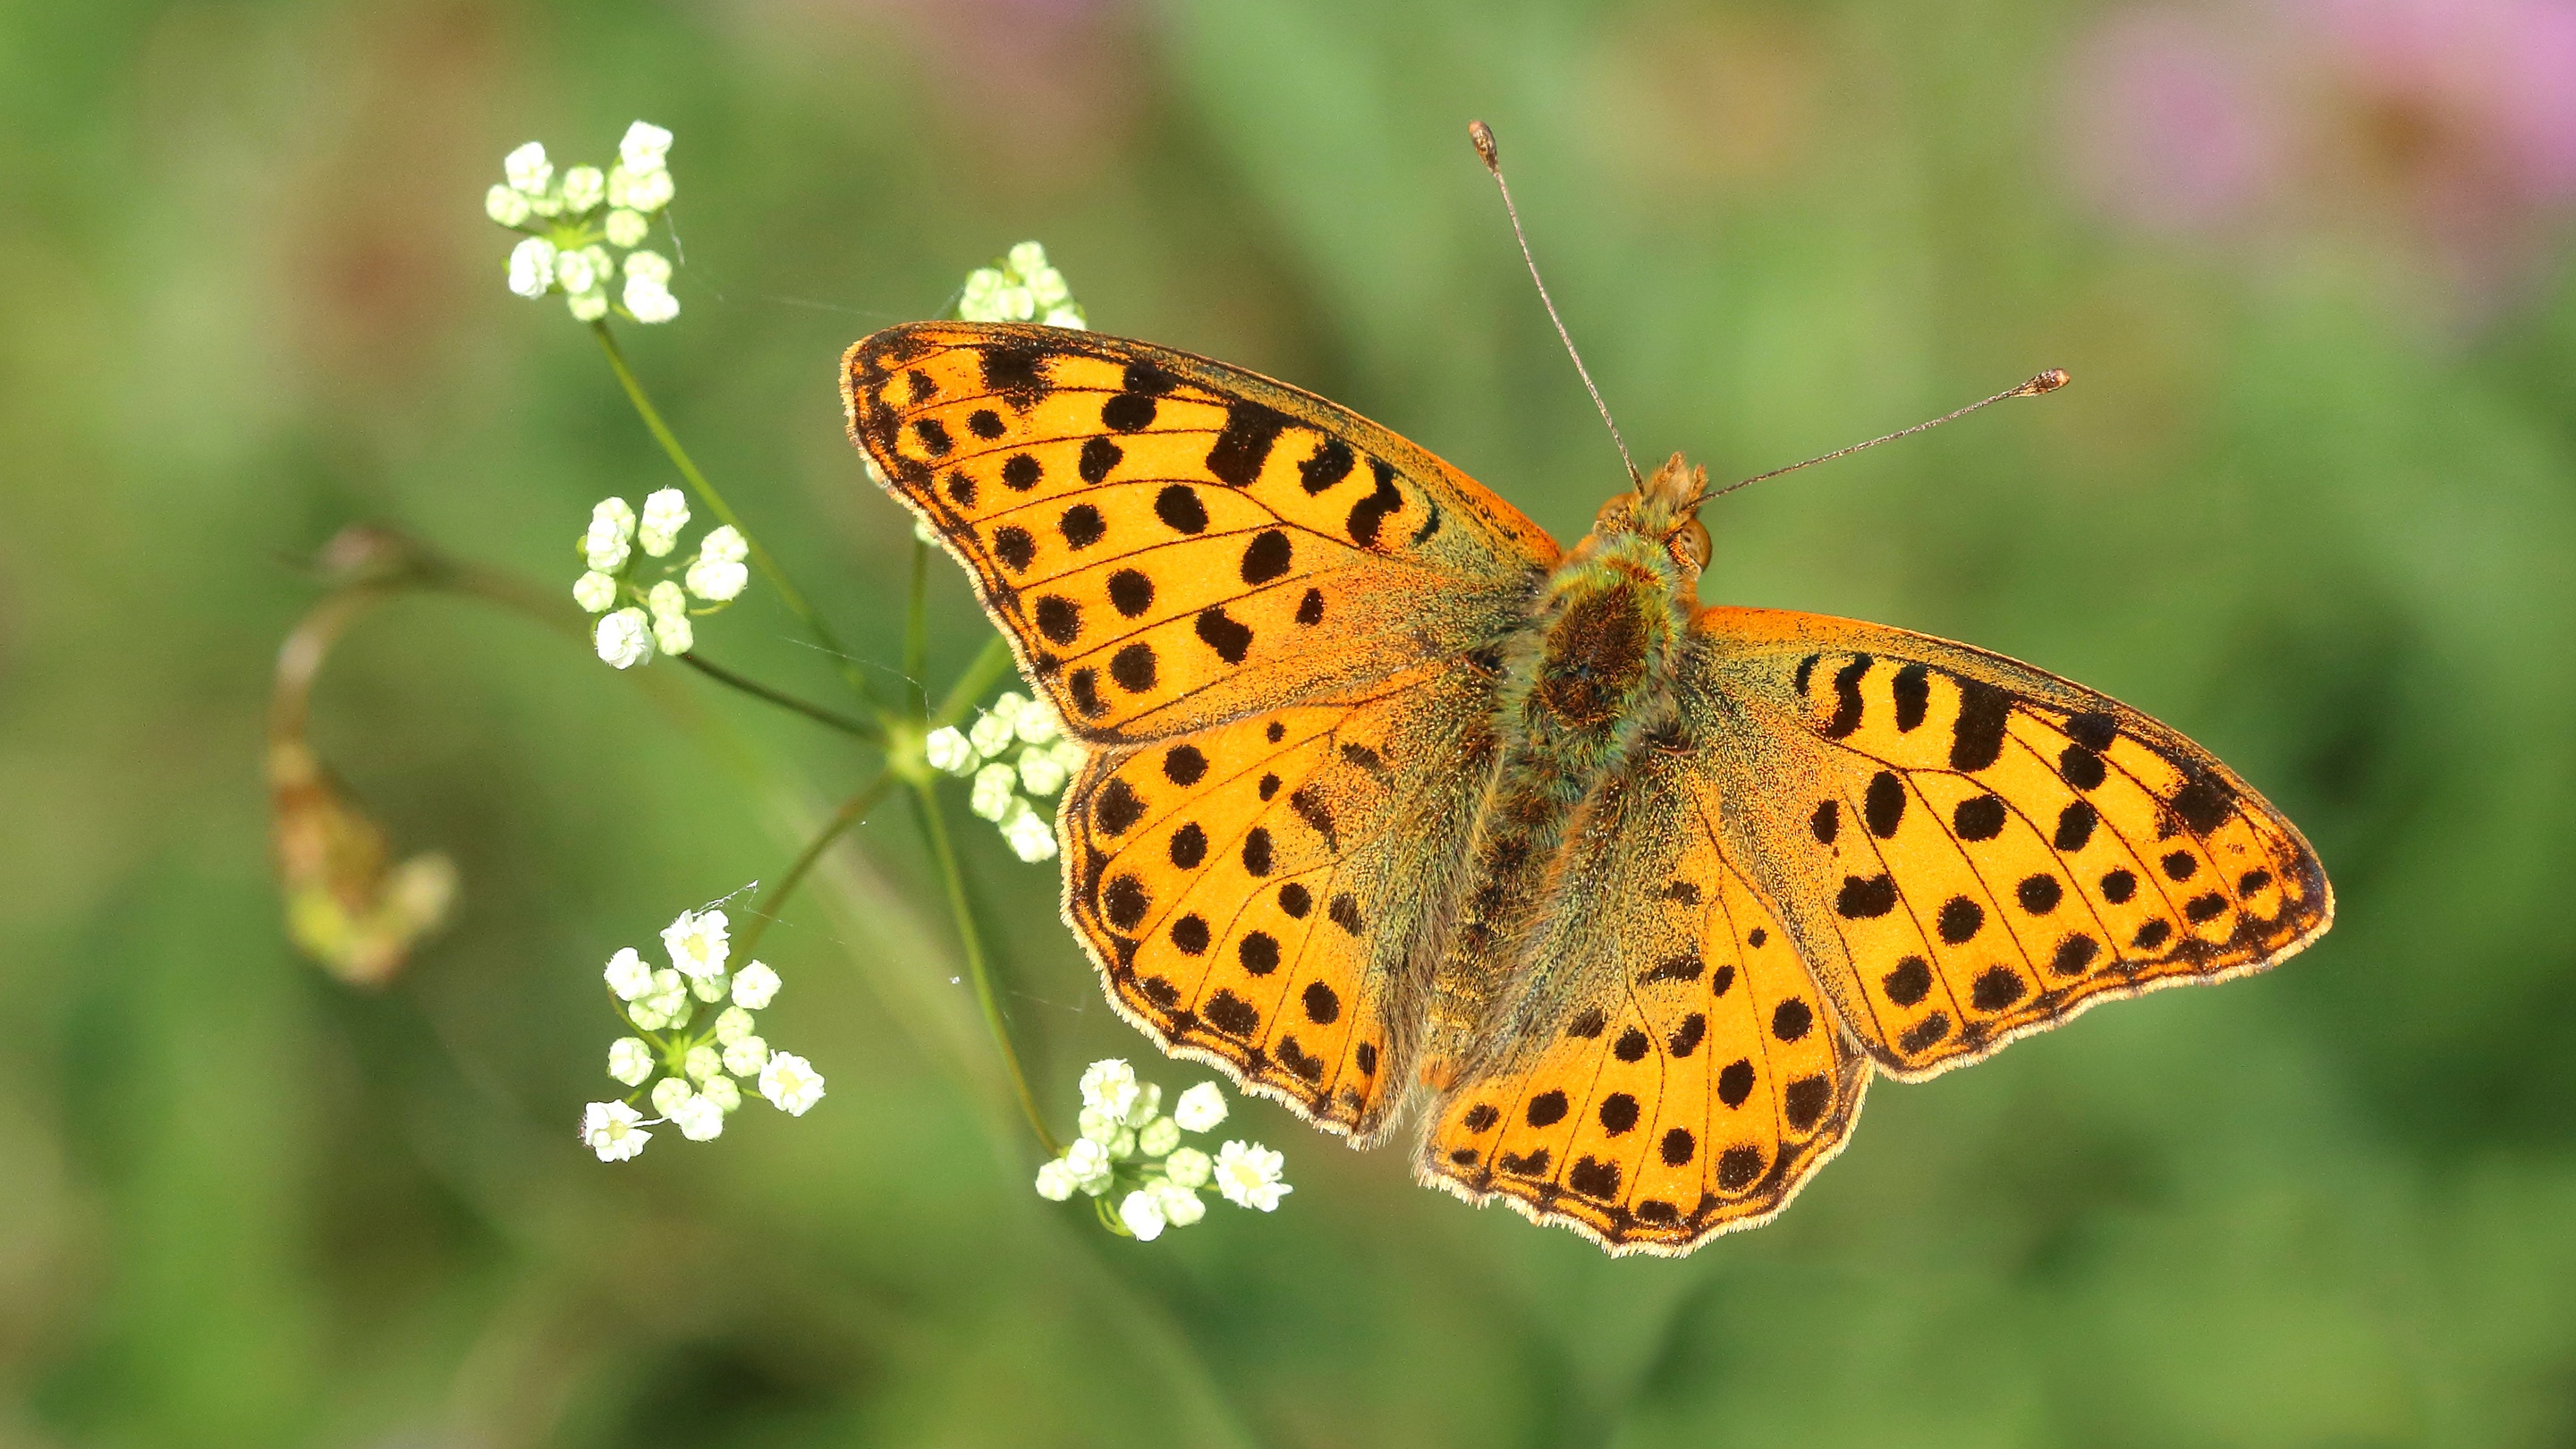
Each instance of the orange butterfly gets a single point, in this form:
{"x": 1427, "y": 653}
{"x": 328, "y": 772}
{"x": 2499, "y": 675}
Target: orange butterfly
{"x": 1392, "y": 801}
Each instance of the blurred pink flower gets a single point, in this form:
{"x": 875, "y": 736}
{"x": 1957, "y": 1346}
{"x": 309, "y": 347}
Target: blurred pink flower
{"x": 2457, "y": 116}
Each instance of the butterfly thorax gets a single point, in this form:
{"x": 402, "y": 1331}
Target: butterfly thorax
{"x": 1586, "y": 681}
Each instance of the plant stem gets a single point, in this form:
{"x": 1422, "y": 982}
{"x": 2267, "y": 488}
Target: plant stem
{"x": 916, "y": 633}
{"x": 766, "y": 907}
{"x": 934, "y": 829}
{"x": 858, "y": 729}
{"x": 988, "y": 666}
{"x": 724, "y": 513}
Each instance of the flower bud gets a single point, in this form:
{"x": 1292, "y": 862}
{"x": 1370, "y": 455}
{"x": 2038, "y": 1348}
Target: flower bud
{"x": 628, "y": 976}
{"x": 1181, "y": 1207}
{"x": 990, "y": 734}
{"x": 1056, "y": 1182}
{"x": 668, "y": 1094}
{"x": 732, "y": 1025}
{"x": 528, "y": 168}
{"x": 699, "y": 1119}
{"x": 746, "y": 1057}
{"x": 721, "y": 1091}
{"x": 1040, "y": 774}
{"x": 650, "y": 302}
{"x": 627, "y": 228}
{"x": 624, "y": 639}
{"x": 1188, "y": 1167}
{"x": 629, "y": 1060}
{"x": 1142, "y": 1212}
{"x": 1028, "y": 834}
{"x": 1200, "y": 1108}
{"x": 506, "y": 205}
{"x": 587, "y": 306}
{"x": 702, "y": 1062}
{"x": 594, "y": 591}
{"x": 644, "y": 147}
{"x": 1156, "y": 1138}
{"x": 990, "y": 796}
{"x": 754, "y": 987}
{"x": 949, "y": 752}
{"x": 532, "y": 267}
{"x": 584, "y": 188}
{"x": 666, "y": 512}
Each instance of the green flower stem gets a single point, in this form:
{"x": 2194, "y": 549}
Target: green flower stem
{"x": 916, "y": 632}
{"x": 934, "y": 829}
{"x": 724, "y": 513}
{"x": 863, "y": 730}
{"x": 987, "y": 667}
{"x": 766, "y": 907}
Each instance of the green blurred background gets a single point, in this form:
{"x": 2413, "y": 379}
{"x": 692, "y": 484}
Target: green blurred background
{"x": 2312, "y": 498}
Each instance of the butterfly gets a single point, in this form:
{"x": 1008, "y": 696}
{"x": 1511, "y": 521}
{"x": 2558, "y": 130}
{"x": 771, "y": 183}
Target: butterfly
{"x": 1393, "y": 807}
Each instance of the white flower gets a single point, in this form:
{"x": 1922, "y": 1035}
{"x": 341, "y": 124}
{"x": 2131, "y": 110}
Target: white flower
{"x": 1089, "y": 1163}
{"x": 1109, "y": 1087}
{"x": 1188, "y": 1167}
{"x": 1040, "y": 775}
{"x": 588, "y": 306}
{"x": 584, "y": 188}
{"x": 1066, "y": 317}
{"x": 1154, "y": 1139}
{"x": 666, "y": 512}
{"x": 628, "y": 976}
{"x": 990, "y": 796}
{"x": 1028, "y": 258}
{"x": 1028, "y": 834}
{"x": 612, "y": 523}
{"x": 645, "y": 191}
{"x": 644, "y": 147}
{"x": 506, "y": 205}
{"x": 624, "y": 638}
{"x": 697, "y": 942}
{"x": 1181, "y": 1207}
{"x": 612, "y": 1130}
{"x": 1248, "y": 1174}
{"x": 754, "y": 987}
{"x": 722, "y": 1092}
{"x": 648, "y": 266}
{"x": 670, "y": 617}
{"x": 975, "y": 304}
{"x": 702, "y": 1062}
{"x": 718, "y": 574}
{"x": 1056, "y": 1181}
{"x": 1142, "y": 1212}
{"x": 732, "y": 1025}
{"x": 650, "y": 302}
{"x": 991, "y": 733}
{"x": 1148, "y": 1105}
{"x": 532, "y": 267}
{"x": 668, "y": 1094}
{"x": 1036, "y": 724}
{"x": 948, "y": 752}
{"x": 629, "y": 1060}
{"x": 1049, "y": 287}
{"x": 1014, "y": 304}
{"x": 594, "y": 591}
{"x": 746, "y": 1057}
{"x": 790, "y": 1083}
{"x": 528, "y": 168}
{"x": 700, "y": 1119}
{"x": 1200, "y": 1108}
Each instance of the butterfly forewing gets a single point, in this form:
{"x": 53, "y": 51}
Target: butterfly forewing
{"x": 1255, "y": 891}
{"x": 1971, "y": 849}
{"x": 1173, "y": 543}
{"x": 1670, "y": 1070}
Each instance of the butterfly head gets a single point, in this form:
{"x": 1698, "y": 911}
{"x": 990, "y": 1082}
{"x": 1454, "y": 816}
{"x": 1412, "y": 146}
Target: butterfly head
{"x": 1664, "y": 510}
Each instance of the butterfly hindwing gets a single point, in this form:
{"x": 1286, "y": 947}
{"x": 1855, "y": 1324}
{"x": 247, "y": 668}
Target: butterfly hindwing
{"x": 1253, "y": 891}
{"x": 1970, "y": 849}
{"x": 1670, "y": 1070}
{"x": 1170, "y": 542}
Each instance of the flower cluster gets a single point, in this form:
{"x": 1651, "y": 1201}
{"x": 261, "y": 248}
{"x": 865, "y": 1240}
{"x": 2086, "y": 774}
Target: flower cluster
{"x": 1130, "y": 1152}
{"x": 656, "y": 614}
{"x": 1017, "y": 755}
{"x": 1022, "y": 287}
{"x": 695, "y": 1028}
{"x": 571, "y": 222}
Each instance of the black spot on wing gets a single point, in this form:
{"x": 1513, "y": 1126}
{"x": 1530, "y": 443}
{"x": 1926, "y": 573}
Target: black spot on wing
{"x": 1330, "y": 464}
{"x": 1243, "y": 444}
{"x": 1017, "y": 371}
{"x": 1370, "y": 512}
{"x": 1847, "y": 701}
{"x": 1977, "y": 735}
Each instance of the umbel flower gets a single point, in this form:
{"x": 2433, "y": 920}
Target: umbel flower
{"x": 639, "y": 617}
{"x": 695, "y": 1035}
{"x": 1021, "y": 287}
{"x": 1131, "y": 1158}
{"x": 1017, "y": 756}
{"x": 574, "y": 226}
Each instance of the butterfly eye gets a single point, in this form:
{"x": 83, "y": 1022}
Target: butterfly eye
{"x": 1690, "y": 545}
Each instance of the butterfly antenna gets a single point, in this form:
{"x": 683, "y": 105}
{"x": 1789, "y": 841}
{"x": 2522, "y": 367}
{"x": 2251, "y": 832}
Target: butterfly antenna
{"x": 2046, "y": 382}
{"x": 1483, "y": 136}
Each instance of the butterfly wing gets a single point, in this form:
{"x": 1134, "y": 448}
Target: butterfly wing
{"x": 1669, "y": 1071}
{"x": 1254, "y": 892}
{"x": 1969, "y": 850}
{"x": 1172, "y": 543}
{"x": 1273, "y": 620}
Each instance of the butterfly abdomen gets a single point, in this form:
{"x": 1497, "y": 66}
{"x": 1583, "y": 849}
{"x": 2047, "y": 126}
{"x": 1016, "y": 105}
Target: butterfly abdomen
{"x": 1584, "y": 681}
